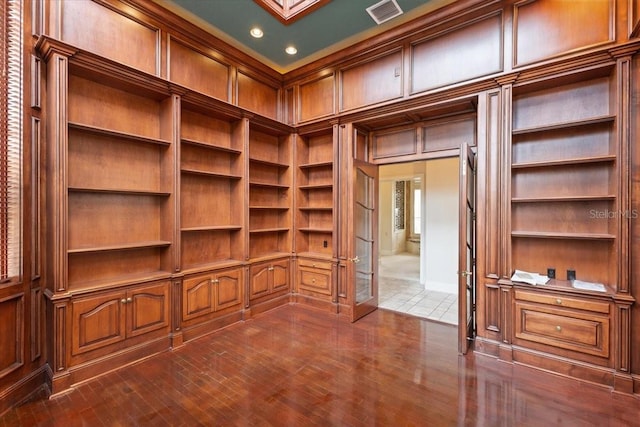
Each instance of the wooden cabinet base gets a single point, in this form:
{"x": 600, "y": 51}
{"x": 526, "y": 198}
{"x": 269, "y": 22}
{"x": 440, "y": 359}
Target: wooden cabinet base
{"x": 322, "y": 304}
{"x": 60, "y": 382}
{"x": 617, "y": 381}
{"x": 266, "y": 304}
{"x": 212, "y": 325}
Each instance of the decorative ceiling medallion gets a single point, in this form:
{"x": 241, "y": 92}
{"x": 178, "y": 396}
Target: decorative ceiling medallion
{"x": 289, "y": 11}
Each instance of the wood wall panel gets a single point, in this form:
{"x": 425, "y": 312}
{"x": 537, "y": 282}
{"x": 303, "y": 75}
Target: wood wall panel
{"x": 448, "y": 135}
{"x": 197, "y": 71}
{"x": 396, "y": 143}
{"x": 257, "y": 96}
{"x": 11, "y": 333}
{"x": 546, "y": 28}
{"x": 634, "y": 18}
{"x": 466, "y": 53}
{"x": 111, "y": 34}
{"x": 371, "y": 82}
{"x": 317, "y": 98}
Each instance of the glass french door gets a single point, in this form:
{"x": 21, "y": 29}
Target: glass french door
{"x": 466, "y": 260}
{"x": 364, "y": 248}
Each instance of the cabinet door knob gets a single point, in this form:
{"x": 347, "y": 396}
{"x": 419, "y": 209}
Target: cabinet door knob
{"x": 313, "y": 280}
{"x": 123, "y": 301}
{"x": 129, "y": 300}
{"x": 559, "y": 301}
{"x": 270, "y": 268}
{"x": 558, "y": 328}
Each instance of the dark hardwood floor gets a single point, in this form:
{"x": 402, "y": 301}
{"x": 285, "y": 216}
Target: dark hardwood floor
{"x": 295, "y": 366}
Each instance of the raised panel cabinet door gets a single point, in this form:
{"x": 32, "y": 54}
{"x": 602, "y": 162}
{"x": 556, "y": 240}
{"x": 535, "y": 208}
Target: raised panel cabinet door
{"x": 148, "y": 309}
{"x": 228, "y": 289}
{"x": 280, "y": 272}
{"x": 197, "y": 296}
{"x": 259, "y": 281}
{"x": 97, "y": 321}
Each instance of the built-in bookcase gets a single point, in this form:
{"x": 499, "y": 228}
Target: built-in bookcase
{"x": 211, "y": 190}
{"x": 120, "y": 183}
{"x": 270, "y": 195}
{"x": 564, "y": 176}
{"x": 315, "y": 195}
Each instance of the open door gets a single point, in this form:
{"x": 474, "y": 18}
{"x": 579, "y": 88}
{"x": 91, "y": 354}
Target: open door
{"x": 467, "y": 257}
{"x": 362, "y": 268}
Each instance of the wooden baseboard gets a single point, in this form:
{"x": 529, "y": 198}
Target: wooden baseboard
{"x": 258, "y": 307}
{"x": 22, "y": 390}
{"x": 565, "y": 367}
{"x": 321, "y": 304}
{"x": 64, "y": 381}
{"x": 211, "y": 325}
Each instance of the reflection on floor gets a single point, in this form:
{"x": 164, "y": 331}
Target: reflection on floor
{"x": 399, "y": 289}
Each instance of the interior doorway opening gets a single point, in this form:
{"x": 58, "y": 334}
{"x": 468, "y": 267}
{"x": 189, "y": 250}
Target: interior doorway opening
{"x": 418, "y": 235}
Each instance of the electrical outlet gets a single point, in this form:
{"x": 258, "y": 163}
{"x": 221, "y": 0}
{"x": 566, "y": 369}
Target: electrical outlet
{"x": 551, "y": 273}
{"x": 571, "y": 275}
{"x": 325, "y": 244}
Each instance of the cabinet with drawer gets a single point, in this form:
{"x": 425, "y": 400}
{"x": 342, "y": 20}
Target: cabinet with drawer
{"x": 571, "y": 326}
{"x": 315, "y": 278}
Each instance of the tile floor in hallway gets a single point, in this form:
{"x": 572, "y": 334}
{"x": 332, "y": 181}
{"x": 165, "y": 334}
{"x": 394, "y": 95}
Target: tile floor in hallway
{"x": 408, "y": 296}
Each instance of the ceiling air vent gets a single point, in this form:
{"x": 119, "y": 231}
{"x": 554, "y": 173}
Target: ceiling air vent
{"x": 384, "y": 11}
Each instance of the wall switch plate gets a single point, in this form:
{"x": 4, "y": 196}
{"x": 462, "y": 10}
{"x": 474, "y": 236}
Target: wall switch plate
{"x": 571, "y": 275}
{"x": 551, "y": 273}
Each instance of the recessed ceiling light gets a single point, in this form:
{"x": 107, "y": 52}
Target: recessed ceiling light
{"x": 291, "y": 50}
{"x": 256, "y": 32}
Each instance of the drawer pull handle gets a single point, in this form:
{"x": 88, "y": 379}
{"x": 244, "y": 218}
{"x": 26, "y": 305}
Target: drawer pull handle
{"x": 313, "y": 265}
{"x": 313, "y": 280}
{"x": 559, "y": 301}
{"x": 270, "y": 268}
{"x": 559, "y": 328}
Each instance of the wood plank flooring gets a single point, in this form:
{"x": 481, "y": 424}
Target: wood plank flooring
{"x": 295, "y": 366}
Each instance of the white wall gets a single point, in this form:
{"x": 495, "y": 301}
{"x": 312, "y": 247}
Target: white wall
{"x": 440, "y": 231}
{"x": 385, "y": 223}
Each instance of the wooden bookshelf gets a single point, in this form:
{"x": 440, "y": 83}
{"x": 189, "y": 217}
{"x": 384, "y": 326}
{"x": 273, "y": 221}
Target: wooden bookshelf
{"x": 564, "y": 185}
{"x": 270, "y": 195}
{"x": 211, "y": 189}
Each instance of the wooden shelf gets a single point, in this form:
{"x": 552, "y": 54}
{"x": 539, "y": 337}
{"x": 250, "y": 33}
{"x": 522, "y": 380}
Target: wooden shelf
{"x": 315, "y": 186}
{"x": 211, "y": 146}
{"x": 269, "y": 230}
{"x": 583, "y": 198}
{"x": 116, "y": 134}
{"x": 122, "y": 247}
{"x": 88, "y": 286}
{"x": 215, "y": 265}
{"x": 565, "y": 125}
{"x": 316, "y": 165}
{"x": 212, "y": 228}
{"x": 269, "y": 163}
{"x": 323, "y": 208}
{"x": 315, "y": 255}
{"x": 210, "y": 174}
{"x": 268, "y": 184}
{"x": 315, "y": 230}
{"x": 577, "y": 161}
{"x": 273, "y": 208}
{"x": 553, "y": 235}
{"x": 119, "y": 191}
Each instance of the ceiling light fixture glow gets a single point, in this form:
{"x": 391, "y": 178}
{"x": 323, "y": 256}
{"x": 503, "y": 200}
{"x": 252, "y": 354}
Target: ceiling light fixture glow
{"x": 256, "y": 32}
{"x": 291, "y": 50}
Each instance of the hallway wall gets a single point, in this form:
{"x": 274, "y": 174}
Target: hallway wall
{"x": 441, "y": 222}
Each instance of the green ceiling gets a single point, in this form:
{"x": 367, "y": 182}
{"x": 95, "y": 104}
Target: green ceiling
{"x": 324, "y": 30}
